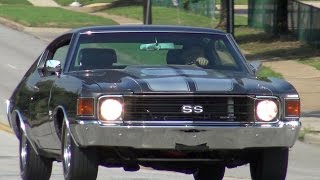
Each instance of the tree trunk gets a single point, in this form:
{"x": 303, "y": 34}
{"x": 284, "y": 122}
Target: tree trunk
{"x": 223, "y": 15}
{"x": 281, "y": 26}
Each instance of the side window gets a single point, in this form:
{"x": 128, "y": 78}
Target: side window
{"x": 225, "y": 58}
{"x": 61, "y": 54}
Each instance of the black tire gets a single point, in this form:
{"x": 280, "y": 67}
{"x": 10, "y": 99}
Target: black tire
{"x": 81, "y": 164}
{"x": 270, "y": 164}
{"x": 32, "y": 166}
{"x": 215, "y": 172}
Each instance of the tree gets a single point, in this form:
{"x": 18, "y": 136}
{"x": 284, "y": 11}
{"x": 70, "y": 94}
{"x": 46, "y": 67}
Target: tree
{"x": 281, "y": 26}
{"x": 223, "y": 15}
{"x": 273, "y": 15}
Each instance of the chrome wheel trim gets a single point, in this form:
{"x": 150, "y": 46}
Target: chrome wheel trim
{"x": 23, "y": 152}
{"x": 66, "y": 152}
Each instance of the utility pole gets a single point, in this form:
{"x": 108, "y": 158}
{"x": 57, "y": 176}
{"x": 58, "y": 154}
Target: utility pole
{"x": 230, "y": 16}
{"x": 147, "y": 12}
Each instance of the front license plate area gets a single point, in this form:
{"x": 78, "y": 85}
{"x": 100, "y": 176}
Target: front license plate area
{"x": 201, "y": 147}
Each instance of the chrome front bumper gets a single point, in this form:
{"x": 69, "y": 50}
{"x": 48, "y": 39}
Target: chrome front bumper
{"x": 281, "y": 134}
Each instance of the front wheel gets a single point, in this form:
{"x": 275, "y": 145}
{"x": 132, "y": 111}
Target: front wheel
{"x": 78, "y": 163}
{"x": 270, "y": 164}
{"x": 32, "y": 166}
{"x": 215, "y": 172}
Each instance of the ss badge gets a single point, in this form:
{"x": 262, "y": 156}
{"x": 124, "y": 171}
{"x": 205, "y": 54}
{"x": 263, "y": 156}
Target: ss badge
{"x": 187, "y": 109}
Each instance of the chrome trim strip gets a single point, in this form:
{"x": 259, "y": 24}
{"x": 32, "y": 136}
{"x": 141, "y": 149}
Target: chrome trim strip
{"x": 294, "y": 96}
{"x": 66, "y": 120}
{"x": 177, "y": 160}
{"x": 8, "y": 104}
{"x": 238, "y": 51}
{"x": 279, "y": 110}
{"x": 98, "y": 109}
{"x": 177, "y": 123}
{"x": 26, "y": 131}
{"x": 185, "y": 95}
{"x": 146, "y": 31}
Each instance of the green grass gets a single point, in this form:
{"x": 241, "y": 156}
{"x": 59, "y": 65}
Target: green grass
{"x": 83, "y": 2}
{"x": 164, "y": 15}
{"x": 50, "y": 17}
{"x": 305, "y": 131}
{"x": 237, "y": 2}
{"x": 264, "y": 46}
{"x": 241, "y": 2}
{"x": 171, "y": 16}
{"x": 267, "y": 72}
{"x": 315, "y": 62}
{"x": 25, "y": 2}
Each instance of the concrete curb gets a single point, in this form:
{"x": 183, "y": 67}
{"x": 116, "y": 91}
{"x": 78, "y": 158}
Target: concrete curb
{"x": 310, "y": 123}
{"x": 94, "y": 9}
{"x": 87, "y": 9}
{"x": 46, "y": 34}
{"x": 312, "y": 138}
{"x": 97, "y": 7}
{"x": 4, "y": 127}
{"x": 11, "y": 24}
{"x": 42, "y": 3}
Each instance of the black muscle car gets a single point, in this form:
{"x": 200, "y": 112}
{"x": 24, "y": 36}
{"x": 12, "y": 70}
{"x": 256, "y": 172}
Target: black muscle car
{"x": 167, "y": 97}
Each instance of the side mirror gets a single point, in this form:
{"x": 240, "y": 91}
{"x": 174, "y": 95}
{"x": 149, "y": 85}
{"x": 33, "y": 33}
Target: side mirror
{"x": 255, "y": 66}
{"x": 53, "y": 67}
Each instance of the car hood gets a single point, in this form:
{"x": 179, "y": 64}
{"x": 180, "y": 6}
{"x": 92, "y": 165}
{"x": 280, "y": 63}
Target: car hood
{"x": 182, "y": 79}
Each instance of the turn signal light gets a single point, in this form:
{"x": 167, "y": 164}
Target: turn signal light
{"x": 85, "y": 107}
{"x": 293, "y": 108}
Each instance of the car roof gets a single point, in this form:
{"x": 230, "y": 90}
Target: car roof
{"x": 146, "y": 28}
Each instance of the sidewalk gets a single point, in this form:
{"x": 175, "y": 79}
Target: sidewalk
{"x": 312, "y": 3}
{"x": 44, "y": 3}
{"x": 91, "y": 10}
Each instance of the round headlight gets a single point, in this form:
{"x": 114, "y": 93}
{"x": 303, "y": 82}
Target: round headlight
{"x": 111, "y": 109}
{"x": 267, "y": 110}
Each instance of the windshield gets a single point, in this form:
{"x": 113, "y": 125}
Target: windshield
{"x": 119, "y": 50}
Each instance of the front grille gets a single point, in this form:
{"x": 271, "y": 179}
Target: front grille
{"x": 169, "y": 108}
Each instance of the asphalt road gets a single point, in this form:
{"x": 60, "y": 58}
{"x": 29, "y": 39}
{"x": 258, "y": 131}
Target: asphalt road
{"x": 19, "y": 50}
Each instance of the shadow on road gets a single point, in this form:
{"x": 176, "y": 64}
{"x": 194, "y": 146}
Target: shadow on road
{"x": 315, "y": 114}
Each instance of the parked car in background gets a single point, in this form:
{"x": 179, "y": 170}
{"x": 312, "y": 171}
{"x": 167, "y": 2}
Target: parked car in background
{"x": 167, "y": 97}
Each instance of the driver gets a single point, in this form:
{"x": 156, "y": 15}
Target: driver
{"x": 195, "y": 55}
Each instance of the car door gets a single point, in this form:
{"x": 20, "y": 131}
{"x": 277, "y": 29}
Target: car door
{"x": 39, "y": 112}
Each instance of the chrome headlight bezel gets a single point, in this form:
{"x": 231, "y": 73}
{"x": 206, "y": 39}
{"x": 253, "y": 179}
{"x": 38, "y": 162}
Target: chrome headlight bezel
{"x": 272, "y": 102}
{"x": 100, "y": 112}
